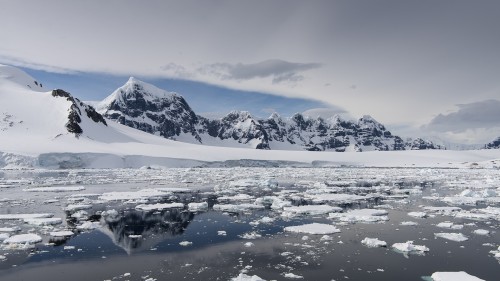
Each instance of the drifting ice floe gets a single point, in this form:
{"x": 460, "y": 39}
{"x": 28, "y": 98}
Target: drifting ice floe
{"x": 55, "y": 189}
{"x": 313, "y": 228}
{"x": 481, "y": 232}
{"x": 193, "y": 207}
{"x": 22, "y": 240}
{"x": 244, "y": 277}
{"x": 361, "y": 215}
{"x": 373, "y": 242}
{"x": 43, "y": 221}
{"x": 159, "y": 206}
{"x": 133, "y": 195}
{"x": 62, "y": 233}
{"x": 458, "y": 237}
{"x": 310, "y": 210}
{"x": 454, "y": 276}
{"x": 409, "y": 247}
{"x": 24, "y": 216}
{"x": 236, "y": 208}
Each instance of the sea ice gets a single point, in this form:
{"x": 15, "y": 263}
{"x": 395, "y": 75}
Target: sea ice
{"x": 454, "y": 276}
{"x": 481, "y": 232}
{"x": 24, "y": 216}
{"x": 408, "y": 223}
{"x": 244, "y": 277}
{"x": 55, "y": 189}
{"x": 311, "y": 209}
{"x": 409, "y": 247}
{"x": 365, "y": 215}
{"x": 417, "y": 214}
{"x": 373, "y": 242}
{"x": 133, "y": 195}
{"x": 292, "y": 276}
{"x": 62, "y": 233}
{"x": 185, "y": 243}
{"x": 458, "y": 237}
{"x": 43, "y": 221}
{"x": 313, "y": 228}
{"x": 236, "y": 208}
{"x": 28, "y": 238}
{"x": 198, "y": 206}
{"x": 159, "y": 206}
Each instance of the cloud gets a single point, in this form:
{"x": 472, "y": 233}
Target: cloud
{"x": 279, "y": 70}
{"x": 476, "y": 115}
{"x": 22, "y": 63}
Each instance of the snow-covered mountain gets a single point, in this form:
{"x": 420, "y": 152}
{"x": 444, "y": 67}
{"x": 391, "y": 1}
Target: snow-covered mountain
{"x": 494, "y": 144}
{"x": 145, "y": 107}
{"x": 52, "y": 129}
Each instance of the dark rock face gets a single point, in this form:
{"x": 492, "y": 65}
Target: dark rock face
{"x": 75, "y": 112}
{"x": 494, "y": 144}
{"x": 147, "y": 108}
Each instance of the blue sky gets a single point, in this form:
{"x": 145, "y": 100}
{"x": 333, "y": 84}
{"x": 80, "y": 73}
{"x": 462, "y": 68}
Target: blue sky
{"x": 420, "y": 66}
{"x": 207, "y": 100}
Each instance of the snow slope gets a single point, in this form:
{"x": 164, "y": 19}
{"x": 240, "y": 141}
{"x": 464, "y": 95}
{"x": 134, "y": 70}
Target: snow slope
{"x": 33, "y": 133}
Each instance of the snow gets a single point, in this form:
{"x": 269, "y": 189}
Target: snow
{"x": 24, "y": 216}
{"x": 43, "y": 221}
{"x": 313, "y": 228}
{"x": 55, "y": 189}
{"x": 454, "y": 276}
{"x": 62, "y": 233}
{"x": 159, "y": 207}
{"x": 457, "y": 237}
{"x": 361, "y": 215}
{"x": 409, "y": 247}
{"x": 244, "y": 277}
{"x": 185, "y": 243}
{"x": 373, "y": 242}
{"x": 28, "y": 238}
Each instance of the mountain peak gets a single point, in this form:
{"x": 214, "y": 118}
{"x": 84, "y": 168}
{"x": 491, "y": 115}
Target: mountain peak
{"x": 19, "y": 77}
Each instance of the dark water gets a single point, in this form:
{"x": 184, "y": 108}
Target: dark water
{"x": 109, "y": 253}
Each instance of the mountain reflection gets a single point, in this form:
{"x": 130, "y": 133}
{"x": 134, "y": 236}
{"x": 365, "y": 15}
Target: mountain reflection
{"x": 136, "y": 230}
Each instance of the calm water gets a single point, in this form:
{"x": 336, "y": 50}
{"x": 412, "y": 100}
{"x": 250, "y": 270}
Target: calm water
{"x": 139, "y": 245}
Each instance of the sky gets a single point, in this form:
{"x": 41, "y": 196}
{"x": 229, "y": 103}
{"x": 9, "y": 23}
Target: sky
{"x": 427, "y": 67}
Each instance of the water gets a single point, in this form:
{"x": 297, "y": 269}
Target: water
{"x": 138, "y": 245}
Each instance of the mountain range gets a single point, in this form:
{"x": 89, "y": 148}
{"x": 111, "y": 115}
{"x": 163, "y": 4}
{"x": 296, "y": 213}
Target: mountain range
{"x": 147, "y": 108}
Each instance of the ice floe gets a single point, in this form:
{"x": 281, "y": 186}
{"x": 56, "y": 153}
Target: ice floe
{"x": 133, "y": 195}
{"x": 313, "y": 228}
{"x": 159, "y": 206}
{"x": 43, "y": 221}
{"x": 361, "y": 215}
{"x": 310, "y": 210}
{"x": 373, "y": 242}
{"x": 454, "y": 276}
{"x": 244, "y": 277}
{"x": 24, "y": 216}
{"x": 457, "y": 237}
{"x": 22, "y": 240}
{"x": 409, "y": 247}
{"x": 55, "y": 189}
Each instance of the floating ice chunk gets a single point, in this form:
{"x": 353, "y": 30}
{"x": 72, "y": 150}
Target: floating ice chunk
{"x": 443, "y": 210}
{"x": 363, "y": 215}
{"x": 481, "y": 232}
{"x": 55, "y": 189}
{"x": 237, "y": 197}
{"x": 77, "y": 207}
{"x": 4, "y": 236}
{"x": 24, "y": 216}
{"x": 43, "y": 221}
{"x": 373, "y": 242}
{"x": 450, "y": 225}
{"x": 458, "y": 237}
{"x": 133, "y": 195}
{"x": 221, "y": 233}
{"x": 250, "y": 235}
{"x": 336, "y": 198}
{"x": 28, "y": 238}
{"x": 474, "y": 215}
{"x": 409, "y": 247}
{"x": 244, "y": 277}
{"x": 457, "y": 200}
{"x": 174, "y": 189}
{"x": 417, "y": 214}
{"x": 313, "y": 228}
{"x": 408, "y": 223}
{"x": 159, "y": 206}
{"x": 274, "y": 201}
{"x": 236, "y": 208}
{"x": 62, "y": 233}
{"x": 185, "y": 243}
{"x": 326, "y": 238}
{"x": 311, "y": 209}
{"x": 135, "y": 236}
{"x": 9, "y": 229}
{"x": 88, "y": 225}
{"x": 198, "y": 206}
{"x": 69, "y": 247}
{"x": 248, "y": 244}
{"x": 454, "y": 276}
{"x": 292, "y": 276}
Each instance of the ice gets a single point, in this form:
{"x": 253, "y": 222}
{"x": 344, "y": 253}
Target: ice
{"x": 250, "y": 235}
{"x": 408, "y": 223}
{"x": 292, "y": 276}
{"x": 335, "y": 198}
{"x": 313, "y": 228}
{"x": 361, "y": 215}
{"x": 62, "y": 233}
{"x": 4, "y": 236}
{"x": 311, "y": 209}
{"x": 409, "y": 247}
{"x": 159, "y": 206}
{"x": 43, "y": 221}
{"x": 9, "y": 229}
{"x": 249, "y": 244}
{"x": 24, "y": 216}
{"x": 443, "y": 210}
{"x": 55, "y": 189}
{"x": 28, "y": 238}
{"x": 417, "y": 214}
{"x": 449, "y": 225}
{"x": 185, "y": 243}
{"x": 236, "y": 208}
{"x": 244, "y": 277}
{"x": 454, "y": 276}
{"x": 88, "y": 225}
{"x": 133, "y": 195}
{"x": 373, "y": 242}
{"x": 458, "y": 237}
{"x": 203, "y": 206}
{"x": 481, "y": 232}
{"x": 77, "y": 207}
{"x": 221, "y": 233}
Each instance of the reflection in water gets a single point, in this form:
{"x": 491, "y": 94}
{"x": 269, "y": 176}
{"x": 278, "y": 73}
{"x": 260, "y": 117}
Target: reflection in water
{"x": 136, "y": 231}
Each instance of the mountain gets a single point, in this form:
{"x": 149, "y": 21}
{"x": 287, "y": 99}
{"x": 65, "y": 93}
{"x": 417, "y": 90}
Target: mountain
{"x": 145, "y": 107}
{"x": 494, "y": 144}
